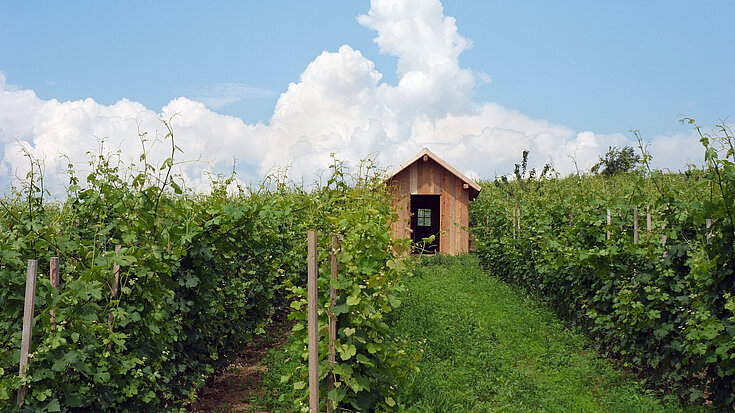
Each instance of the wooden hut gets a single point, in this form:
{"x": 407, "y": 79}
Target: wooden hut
{"x": 432, "y": 198}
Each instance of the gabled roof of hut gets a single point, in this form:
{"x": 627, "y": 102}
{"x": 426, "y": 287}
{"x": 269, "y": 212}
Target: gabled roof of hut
{"x": 473, "y": 187}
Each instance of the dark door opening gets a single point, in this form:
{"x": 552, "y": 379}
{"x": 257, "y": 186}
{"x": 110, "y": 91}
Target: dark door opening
{"x": 425, "y": 222}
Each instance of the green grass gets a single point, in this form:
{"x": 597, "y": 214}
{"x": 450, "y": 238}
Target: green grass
{"x": 277, "y": 365}
{"x": 484, "y": 346}
{"x": 487, "y": 347}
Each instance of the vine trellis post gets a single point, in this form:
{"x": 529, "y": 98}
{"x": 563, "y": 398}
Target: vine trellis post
{"x": 28, "y": 304}
{"x": 313, "y": 317}
{"x": 332, "y": 317}
{"x": 313, "y": 322}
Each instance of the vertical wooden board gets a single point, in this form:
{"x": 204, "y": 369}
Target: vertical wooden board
{"x": 400, "y": 199}
{"x": 417, "y": 167}
{"x": 442, "y": 209}
{"x": 464, "y": 221}
{"x": 458, "y": 213}
{"x": 422, "y": 169}
{"x": 452, "y": 229}
{"x": 449, "y": 228}
{"x": 436, "y": 178}
{"x": 413, "y": 171}
{"x": 458, "y": 231}
{"x": 424, "y": 173}
{"x": 442, "y": 212}
{"x": 405, "y": 211}
{"x": 425, "y": 187}
{"x": 432, "y": 177}
{"x": 444, "y": 201}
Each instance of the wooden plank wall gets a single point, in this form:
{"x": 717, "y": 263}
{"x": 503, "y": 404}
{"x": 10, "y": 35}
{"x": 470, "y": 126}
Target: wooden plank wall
{"x": 401, "y": 198}
{"x": 430, "y": 178}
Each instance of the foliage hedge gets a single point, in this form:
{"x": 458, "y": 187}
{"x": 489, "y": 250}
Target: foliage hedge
{"x": 199, "y": 275}
{"x": 666, "y": 309}
{"x": 371, "y": 360}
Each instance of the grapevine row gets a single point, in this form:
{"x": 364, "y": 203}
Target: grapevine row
{"x": 664, "y": 306}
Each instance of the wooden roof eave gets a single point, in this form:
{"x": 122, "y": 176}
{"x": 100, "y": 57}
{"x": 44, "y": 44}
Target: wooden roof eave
{"x": 472, "y": 185}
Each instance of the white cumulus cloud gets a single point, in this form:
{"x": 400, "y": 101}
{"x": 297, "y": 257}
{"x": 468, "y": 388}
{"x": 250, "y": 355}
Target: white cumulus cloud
{"x": 59, "y": 132}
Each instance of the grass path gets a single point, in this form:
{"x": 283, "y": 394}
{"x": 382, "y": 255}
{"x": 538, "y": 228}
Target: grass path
{"x": 487, "y": 347}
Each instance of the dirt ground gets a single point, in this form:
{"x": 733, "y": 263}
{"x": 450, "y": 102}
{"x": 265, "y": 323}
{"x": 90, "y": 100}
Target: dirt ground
{"x": 239, "y": 387}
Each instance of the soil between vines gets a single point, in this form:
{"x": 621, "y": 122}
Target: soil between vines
{"x": 239, "y": 388}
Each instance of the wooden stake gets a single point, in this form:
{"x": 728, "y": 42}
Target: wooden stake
{"x": 54, "y": 272}
{"x": 663, "y": 236}
{"x": 54, "y": 278}
{"x": 115, "y": 286}
{"x": 28, "y": 307}
{"x": 649, "y": 224}
{"x": 609, "y": 220}
{"x": 116, "y": 271}
{"x": 313, "y": 322}
{"x": 332, "y": 317}
{"x": 635, "y": 225}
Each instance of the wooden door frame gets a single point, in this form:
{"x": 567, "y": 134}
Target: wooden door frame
{"x": 432, "y": 202}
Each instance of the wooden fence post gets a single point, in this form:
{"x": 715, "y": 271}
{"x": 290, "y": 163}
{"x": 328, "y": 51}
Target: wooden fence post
{"x": 54, "y": 278}
{"x": 313, "y": 321}
{"x": 635, "y": 225}
{"x": 332, "y": 317}
{"x": 609, "y": 221}
{"x": 28, "y": 307}
{"x": 649, "y": 224}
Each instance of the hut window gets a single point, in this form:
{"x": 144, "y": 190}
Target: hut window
{"x": 424, "y": 217}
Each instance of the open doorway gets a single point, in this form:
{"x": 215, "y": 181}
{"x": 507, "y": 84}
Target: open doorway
{"x": 425, "y": 222}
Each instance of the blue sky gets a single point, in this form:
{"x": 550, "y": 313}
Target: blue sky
{"x": 545, "y": 76}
